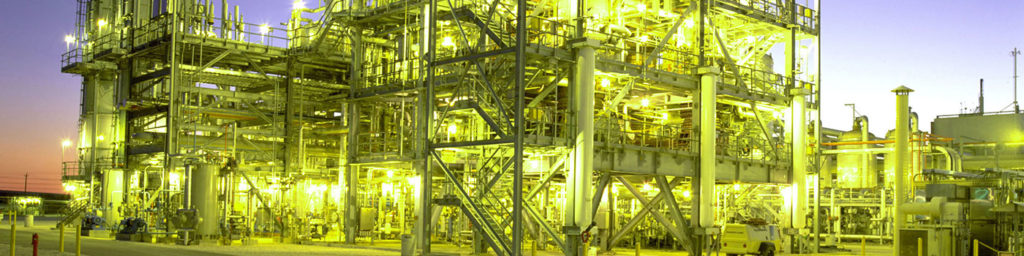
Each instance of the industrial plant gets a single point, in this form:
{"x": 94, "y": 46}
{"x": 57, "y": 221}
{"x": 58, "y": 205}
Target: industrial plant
{"x": 513, "y": 127}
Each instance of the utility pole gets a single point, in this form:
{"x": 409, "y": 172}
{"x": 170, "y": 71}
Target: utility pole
{"x": 853, "y": 108}
{"x": 981, "y": 97}
{"x": 1014, "y": 53}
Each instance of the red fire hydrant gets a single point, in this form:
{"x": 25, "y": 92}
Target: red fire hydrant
{"x": 35, "y": 244}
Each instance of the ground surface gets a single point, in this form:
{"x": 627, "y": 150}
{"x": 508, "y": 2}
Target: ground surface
{"x": 104, "y": 246}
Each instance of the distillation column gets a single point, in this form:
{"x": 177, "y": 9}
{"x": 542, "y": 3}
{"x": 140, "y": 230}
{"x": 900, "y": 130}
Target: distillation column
{"x": 799, "y": 126}
{"x": 578, "y": 196}
{"x": 705, "y": 184}
{"x": 902, "y": 139}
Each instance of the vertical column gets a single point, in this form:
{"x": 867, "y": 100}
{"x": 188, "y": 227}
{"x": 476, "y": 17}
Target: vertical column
{"x": 799, "y": 158}
{"x": 99, "y": 115}
{"x": 352, "y": 171}
{"x": 292, "y": 124}
{"x": 902, "y": 138}
{"x": 578, "y": 194}
{"x": 517, "y": 170}
{"x": 708, "y": 94}
{"x": 204, "y": 183}
{"x": 352, "y": 175}
{"x": 704, "y": 184}
{"x": 796, "y": 211}
{"x": 423, "y": 134}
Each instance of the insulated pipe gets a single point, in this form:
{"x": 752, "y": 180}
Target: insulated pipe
{"x": 224, "y": 19}
{"x": 901, "y": 147}
{"x": 235, "y": 24}
{"x": 865, "y": 135}
{"x": 708, "y": 93}
{"x": 799, "y": 127}
{"x": 862, "y": 122}
{"x": 913, "y": 121}
{"x": 952, "y": 158}
{"x": 932, "y": 208}
{"x": 583, "y": 153}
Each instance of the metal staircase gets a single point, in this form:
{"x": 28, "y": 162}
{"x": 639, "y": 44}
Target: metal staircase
{"x": 72, "y": 211}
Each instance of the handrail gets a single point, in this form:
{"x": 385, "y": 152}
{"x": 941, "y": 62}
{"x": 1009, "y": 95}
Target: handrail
{"x": 975, "y": 247}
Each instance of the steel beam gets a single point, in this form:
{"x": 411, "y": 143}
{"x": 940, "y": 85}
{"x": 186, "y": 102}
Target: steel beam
{"x": 672, "y": 31}
{"x": 676, "y": 232}
{"x": 520, "y": 129}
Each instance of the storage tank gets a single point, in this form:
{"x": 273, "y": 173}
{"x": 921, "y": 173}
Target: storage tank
{"x": 913, "y": 163}
{"x": 204, "y": 199}
{"x": 855, "y": 169}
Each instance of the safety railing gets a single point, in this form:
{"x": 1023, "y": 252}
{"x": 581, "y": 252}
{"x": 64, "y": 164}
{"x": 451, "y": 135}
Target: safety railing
{"x": 380, "y": 144}
{"x": 547, "y": 122}
{"x": 807, "y": 17}
{"x": 152, "y": 30}
{"x": 651, "y": 134}
{"x": 756, "y": 80}
{"x": 779, "y": 12}
{"x": 72, "y": 56}
{"x": 636, "y": 51}
{"x": 452, "y": 44}
{"x": 85, "y": 50}
{"x": 391, "y": 74}
{"x": 252, "y": 34}
{"x": 160, "y": 28}
{"x": 365, "y": 6}
{"x": 655, "y": 134}
{"x": 548, "y": 32}
{"x": 78, "y": 168}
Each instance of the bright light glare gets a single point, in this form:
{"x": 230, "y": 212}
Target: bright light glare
{"x": 69, "y": 39}
{"x": 605, "y": 83}
{"x": 101, "y": 136}
{"x": 70, "y": 188}
{"x": 641, "y": 7}
{"x": 264, "y": 29}
{"x": 452, "y": 129}
{"x": 65, "y": 143}
{"x": 686, "y": 193}
{"x": 101, "y": 23}
{"x": 447, "y": 42}
{"x": 298, "y": 5}
{"x": 645, "y": 102}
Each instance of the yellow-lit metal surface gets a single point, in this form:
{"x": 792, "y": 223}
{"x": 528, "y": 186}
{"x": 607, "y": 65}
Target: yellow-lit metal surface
{"x": 494, "y": 124}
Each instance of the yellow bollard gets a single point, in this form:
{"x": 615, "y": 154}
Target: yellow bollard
{"x": 920, "y": 246}
{"x": 14, "y": 226}
{"x": 533, "y": 249}
{"x": 863, "y": 246}
{"x": 61, "y": 240}
{"x": 975, "y": 247}
{"x": 637, "y": 248}
{"x": 78, "y": 240}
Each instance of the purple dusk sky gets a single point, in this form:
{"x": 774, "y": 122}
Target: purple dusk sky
{"x": 940, "y": 48}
